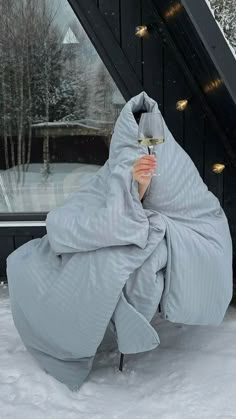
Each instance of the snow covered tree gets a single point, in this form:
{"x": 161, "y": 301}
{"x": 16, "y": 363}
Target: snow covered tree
{"x": 30, "y": 66}
{"x": 47, "y": 73}
{"x": 37, "y": 82}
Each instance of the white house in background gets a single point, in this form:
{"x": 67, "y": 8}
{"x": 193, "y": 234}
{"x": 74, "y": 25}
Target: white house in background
{"x": 70, "y": 37}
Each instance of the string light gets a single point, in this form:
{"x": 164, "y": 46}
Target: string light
{"x": 214, "y": 84}
{"x": 218, "y": 168}
{"x": 141, "y": 31}
{"x": 172, "y": 11}
{"x": 181, "y": 105}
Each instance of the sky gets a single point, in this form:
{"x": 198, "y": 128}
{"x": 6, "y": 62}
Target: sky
{"x": 63, "y": 10}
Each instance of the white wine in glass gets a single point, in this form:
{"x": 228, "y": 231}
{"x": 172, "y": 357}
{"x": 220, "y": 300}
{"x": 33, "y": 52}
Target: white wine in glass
{"x": 151, "y": 133}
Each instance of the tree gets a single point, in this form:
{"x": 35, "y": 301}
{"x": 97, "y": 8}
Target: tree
{"x": 43, "y": 79}
{"x": 36, "y": 84}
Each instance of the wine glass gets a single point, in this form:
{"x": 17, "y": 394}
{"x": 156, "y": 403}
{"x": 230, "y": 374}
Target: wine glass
{"x": 151, "y": 133}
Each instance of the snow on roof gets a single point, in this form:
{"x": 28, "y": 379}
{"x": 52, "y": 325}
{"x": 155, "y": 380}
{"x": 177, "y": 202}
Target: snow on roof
{"x": 70, "y": 37}
{"x": 212, "y": 11}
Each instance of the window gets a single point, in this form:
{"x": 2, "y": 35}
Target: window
{"x": 58, "y": 105}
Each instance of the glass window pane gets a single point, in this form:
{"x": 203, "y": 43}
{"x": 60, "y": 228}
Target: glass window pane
{"x": 58, "y": 105}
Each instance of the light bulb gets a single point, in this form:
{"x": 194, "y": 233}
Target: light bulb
{"x": 213, "y": 85}
{"x": 141, "y": 31}
{"x": 173, "y": 10}
{"x": 181, "y": 105}
{"x": 218, "y": 168}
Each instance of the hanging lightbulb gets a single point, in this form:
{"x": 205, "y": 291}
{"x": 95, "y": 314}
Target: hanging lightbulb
{"x": 141, "y": 31}
{"x": 173, "y": 10}
{"x": 218, "y": 168}
{"x": 214, "y": 84}
{"x": 181, "y": 105}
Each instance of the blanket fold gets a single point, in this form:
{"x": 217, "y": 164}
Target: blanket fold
{"x": 108, "y": 260}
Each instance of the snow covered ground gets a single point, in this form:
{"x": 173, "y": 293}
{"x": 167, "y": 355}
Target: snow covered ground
{"x": 191, "y": 375}
{"x": 33, "y": 194}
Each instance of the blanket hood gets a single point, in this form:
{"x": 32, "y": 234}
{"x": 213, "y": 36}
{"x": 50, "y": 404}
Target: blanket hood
{"x": 124, "y": 147}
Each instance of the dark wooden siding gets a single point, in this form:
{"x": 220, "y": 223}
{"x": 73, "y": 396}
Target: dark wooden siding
{"x": 13, "y": 237}
{"x": 164, "y": 78}
{"x": 158, "y": 66}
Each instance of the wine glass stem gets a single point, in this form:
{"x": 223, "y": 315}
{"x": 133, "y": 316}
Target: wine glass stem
{"x": 150, "y": 149}
{"x": 152, "y": 152}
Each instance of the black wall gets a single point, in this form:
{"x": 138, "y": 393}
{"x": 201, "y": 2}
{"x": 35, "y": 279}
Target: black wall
{"x": 172, "y": 64}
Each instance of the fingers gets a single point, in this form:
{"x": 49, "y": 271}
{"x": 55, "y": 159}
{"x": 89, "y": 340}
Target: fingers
{"x": 145, "y": 163}
{"x": 145, "y": 160}
{"x": 150, "y": 157}
{"x": 144, "y": 169}
{"x": 144, "y": 166}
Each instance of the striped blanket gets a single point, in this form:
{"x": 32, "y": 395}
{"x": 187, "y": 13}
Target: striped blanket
{"x": 108, "y": 260}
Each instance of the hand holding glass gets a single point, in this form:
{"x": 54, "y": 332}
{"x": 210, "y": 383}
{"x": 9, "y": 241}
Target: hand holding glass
{"x": 151, "y": 133}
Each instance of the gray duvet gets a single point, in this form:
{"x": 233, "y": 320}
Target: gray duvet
{"x": 108, "y": 260}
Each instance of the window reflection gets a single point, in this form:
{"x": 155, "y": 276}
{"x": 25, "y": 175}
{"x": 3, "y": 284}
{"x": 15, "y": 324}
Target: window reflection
{"x": 58, "y": 105}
